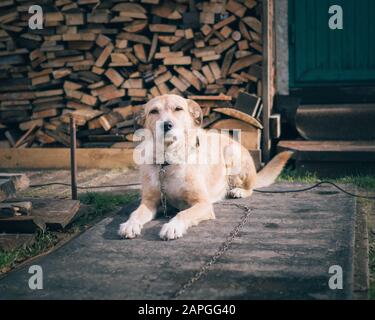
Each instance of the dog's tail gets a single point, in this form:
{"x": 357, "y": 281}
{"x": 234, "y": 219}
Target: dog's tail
{"x": 272, "y": 170}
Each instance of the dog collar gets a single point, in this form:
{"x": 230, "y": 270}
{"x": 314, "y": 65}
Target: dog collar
{"x": 165, "y": 164}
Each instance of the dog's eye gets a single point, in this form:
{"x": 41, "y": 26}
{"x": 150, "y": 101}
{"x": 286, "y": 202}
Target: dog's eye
{"x": 154, "y": 111}
{"x": 178, "y": 109}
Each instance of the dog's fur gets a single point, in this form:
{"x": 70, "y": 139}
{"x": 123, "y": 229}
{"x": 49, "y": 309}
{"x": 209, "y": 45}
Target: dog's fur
{"x": 193, "y": 188}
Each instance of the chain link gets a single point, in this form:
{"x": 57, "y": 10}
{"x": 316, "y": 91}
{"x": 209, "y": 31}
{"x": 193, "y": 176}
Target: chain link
{"x": 163, "y": 198}
{"x": 223, "y": 248}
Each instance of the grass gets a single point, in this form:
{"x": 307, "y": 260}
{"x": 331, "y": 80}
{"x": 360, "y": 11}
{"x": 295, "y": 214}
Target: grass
{"x": 98, "y": 205}
{"x": 365, "y": 182}
{"x": 372, "y": 265}
{"x": 43, "y": 242}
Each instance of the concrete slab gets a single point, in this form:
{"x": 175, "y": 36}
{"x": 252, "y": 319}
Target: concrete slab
{"x": 284, "y": 251}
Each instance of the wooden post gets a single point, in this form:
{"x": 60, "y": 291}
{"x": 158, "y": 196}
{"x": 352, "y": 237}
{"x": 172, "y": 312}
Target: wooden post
{"x": 267, "y": 76}
{"x": 73, "y": 159}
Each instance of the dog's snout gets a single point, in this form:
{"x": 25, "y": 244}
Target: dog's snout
{"x": 168, "y": 125}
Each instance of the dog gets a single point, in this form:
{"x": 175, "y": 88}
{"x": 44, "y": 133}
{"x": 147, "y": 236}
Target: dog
{"x": 189, "y": 186}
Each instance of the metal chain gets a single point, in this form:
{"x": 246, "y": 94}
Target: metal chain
{"x": 163, "y": 198}
{"x": 223, "y": 248}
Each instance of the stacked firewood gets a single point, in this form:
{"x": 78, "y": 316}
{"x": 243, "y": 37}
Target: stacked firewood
{"x": 102, "y": 60}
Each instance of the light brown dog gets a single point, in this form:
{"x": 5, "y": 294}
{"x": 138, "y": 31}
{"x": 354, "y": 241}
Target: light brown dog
{"x": 188, "y": 183}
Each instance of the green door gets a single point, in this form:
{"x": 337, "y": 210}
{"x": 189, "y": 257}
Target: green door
{"x": 320, "y": 56}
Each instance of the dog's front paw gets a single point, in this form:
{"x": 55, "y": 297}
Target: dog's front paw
{"x": 238, "y": 193}
{"x": 172, "y": 230}
{"x": 130, "y": 229}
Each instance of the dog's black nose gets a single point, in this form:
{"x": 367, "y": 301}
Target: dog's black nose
{"x": 168, "y": 125}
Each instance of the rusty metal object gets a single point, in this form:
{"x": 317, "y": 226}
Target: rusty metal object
{"x": 73, "y": 158}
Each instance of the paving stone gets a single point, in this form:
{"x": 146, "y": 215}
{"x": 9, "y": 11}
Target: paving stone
{"x": 284, "y": 251}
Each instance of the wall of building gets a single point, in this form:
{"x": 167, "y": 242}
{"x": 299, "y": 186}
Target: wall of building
{"x": 282, "y": 47}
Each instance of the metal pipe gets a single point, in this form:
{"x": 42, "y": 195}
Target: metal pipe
{"x": 73, "y": 158}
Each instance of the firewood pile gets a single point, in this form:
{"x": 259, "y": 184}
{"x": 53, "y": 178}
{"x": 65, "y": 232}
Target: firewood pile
{"x": 102, "y": 60}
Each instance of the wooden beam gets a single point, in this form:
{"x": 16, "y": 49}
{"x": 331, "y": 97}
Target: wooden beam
{"x": 58, "y": 158}
{"x": 267, "y": 93}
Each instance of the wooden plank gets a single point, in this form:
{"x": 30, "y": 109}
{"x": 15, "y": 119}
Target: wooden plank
{"x": 236, "y": 8}
{"x": 166, "y": 10}
{"x": 267, "y": 74}
{"x": 330, "y": 154}
{"x": 24, "y": 126}
{"x": 224, "y": 22}
{"x": 21, "y": 224}
{"x": 275, "y": 126}
{"x": 59, "y": 158}
{"x": 133, "y": 84}
{"x": 163, "y": 78}
{"x": 140, "y": 53}
{"x": 131, "y": 10}
{"x": 175, "y": 61}
{"x": 208, "y": 74}
{"x": 189, "y": 76}
{"x": 254, "y": 23}
{"x": 168, "y": 54}
{"x": 7, "y": 189}
{"x": 206, "y": 29}
{"x": 328, "y": 146}
{"x": 107, "y": 121}
{"x": 245, "y": 62}
{"x": 56, "y": 214}
{"x": 14, "y": 208}
{"x": 137, "y": 92}
{"x": 221, "y": 97}
{"x": 162, "y": 28}
{"x": 134, "y": 38}
{"x": 215, "y": 70}
{"x": 250, "y": 135}
{"x": 136, "y": 26}
{"x": 240, "y": 116}
{"x": 81, "y": 116}
{"x": 179, "y": 84}
{"x": 9, "y": 242}
{"x": 26, "y": 136}
{"x": 169, "y": 40}
{"x": 226, "y": 32}
{"x": 257, "y": 158}
{"x": 227, "y": 62}
{"x": 223, "y": 46}
{"x": 210, "y": 119}
{"x": 115, "y": 77}
{"x": 154, "y": 46}
{"x": 104, "y": 56}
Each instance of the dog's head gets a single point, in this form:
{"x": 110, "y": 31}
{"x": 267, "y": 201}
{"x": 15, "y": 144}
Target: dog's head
{"x": 171, "y": 115}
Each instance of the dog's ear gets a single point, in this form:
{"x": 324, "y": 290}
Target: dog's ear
{"x": 195, "y": 111}
{"x": 140, "y": 118}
